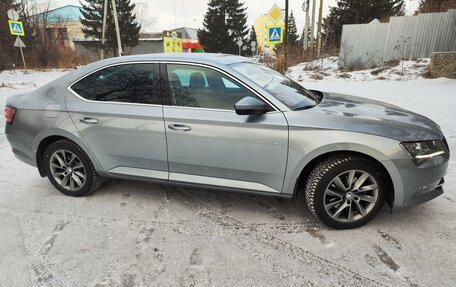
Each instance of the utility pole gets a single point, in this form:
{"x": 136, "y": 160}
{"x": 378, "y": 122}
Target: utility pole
{"x": 320, "y": 19}
{"x": 286, "y": 33}
{"x": 306, "y": 26}
{"x": 116, "y": 23}
{"x": 312, "y": 34}
{"x": 103, "y": 32}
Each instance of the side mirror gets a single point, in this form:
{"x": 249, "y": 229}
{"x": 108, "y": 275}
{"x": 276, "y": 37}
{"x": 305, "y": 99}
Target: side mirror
{"x": 251, "y": 106}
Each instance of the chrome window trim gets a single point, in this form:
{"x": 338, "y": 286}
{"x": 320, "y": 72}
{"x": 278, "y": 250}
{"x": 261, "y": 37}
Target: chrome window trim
{"x": 209, "y": 109}
{"x": 236, "y": 80}
{"x": 109, "y": 102}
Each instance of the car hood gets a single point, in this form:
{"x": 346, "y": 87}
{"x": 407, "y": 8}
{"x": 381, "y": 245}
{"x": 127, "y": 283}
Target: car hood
{"x": 350, "y": 113}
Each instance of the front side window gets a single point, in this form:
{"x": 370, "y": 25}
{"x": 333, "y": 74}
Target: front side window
{"x": 127, "y": 83}
{"x": 293, "y": 95}
{"x": 194, "y": 86}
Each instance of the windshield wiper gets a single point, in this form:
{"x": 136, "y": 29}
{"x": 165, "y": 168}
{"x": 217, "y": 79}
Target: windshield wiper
{"x": 304, "y": 107}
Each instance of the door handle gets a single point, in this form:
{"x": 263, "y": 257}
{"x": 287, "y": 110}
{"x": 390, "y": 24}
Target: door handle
{"x": 178, "y": 127}
{"x": 91, "y": 121}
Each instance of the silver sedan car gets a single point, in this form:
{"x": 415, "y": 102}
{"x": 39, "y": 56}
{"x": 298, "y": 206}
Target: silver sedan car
{"x": 226, "y": 122}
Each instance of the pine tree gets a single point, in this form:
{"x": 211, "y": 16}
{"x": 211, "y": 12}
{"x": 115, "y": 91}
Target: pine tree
{"x": 293, "y": 36}
{"x": 214, "y": 37}
{"x": 253, "y": 35}
{"x": 224, "y": 23}
{"x": 248, "y": 45}
{"x": 359, "y": 12}
{"x": 430, "y": 6}
{"x": 92, "y": 21}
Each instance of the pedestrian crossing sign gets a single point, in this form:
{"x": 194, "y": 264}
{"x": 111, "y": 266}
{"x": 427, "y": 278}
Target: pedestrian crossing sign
{"x": 16, "y": 28}
{"x": 275, "y": 35}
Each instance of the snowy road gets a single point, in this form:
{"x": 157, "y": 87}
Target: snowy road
{"x": 133, "y": 233}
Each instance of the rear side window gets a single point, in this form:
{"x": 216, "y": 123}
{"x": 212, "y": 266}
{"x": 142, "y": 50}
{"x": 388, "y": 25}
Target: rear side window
{"x": 128, "y": 83}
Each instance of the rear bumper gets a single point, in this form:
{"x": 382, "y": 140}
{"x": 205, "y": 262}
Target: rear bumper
{"x": 20, "y": 142}
{"x": 24, "y": 158}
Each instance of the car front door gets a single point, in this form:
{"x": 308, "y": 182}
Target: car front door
{"x": 208, "y": 143}
{"x": 118, "y": 112}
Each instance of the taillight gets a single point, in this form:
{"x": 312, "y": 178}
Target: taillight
{"x": 9, "y": 115}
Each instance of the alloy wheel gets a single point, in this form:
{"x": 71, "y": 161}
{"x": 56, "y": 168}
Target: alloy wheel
{"x": 67, "y": 170}
{"x": 351, "y": 195}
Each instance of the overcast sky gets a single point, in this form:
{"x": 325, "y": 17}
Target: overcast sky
{"x": 158, "y": 15}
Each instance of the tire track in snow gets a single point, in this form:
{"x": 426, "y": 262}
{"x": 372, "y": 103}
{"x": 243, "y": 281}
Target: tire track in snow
{"x": 323, "y": 267}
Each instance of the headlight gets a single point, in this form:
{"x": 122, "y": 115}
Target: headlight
{"x": 422, "y": 151}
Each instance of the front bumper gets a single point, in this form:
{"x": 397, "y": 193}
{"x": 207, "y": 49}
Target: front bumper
{"x": 426, "y": 193}
{"x": 414, "y": 185}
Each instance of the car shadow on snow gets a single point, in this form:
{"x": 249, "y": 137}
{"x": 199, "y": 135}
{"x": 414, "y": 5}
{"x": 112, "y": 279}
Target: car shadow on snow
{"x": 250, "y": 208}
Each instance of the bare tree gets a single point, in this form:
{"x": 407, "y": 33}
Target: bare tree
{"x": 143, "y": 14}
{"x": 45, "y": 33}
{"x": 404, "y": 47}
{"x": 373, "y": 58}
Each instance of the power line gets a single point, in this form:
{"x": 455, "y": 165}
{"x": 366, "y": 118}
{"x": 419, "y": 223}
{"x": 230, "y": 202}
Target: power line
{"x": 183, "y": 13}
{"x": 175, "y": 20}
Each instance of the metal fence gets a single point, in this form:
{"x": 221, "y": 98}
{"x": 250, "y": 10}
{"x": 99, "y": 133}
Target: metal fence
{"x": 404, "y": 37}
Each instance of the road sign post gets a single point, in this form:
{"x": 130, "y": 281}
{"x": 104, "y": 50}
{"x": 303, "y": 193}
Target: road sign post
{"x": 253, "y": 47}
{"x": 239, "y": 43}
{"x": 20, "y": 44}
{"x": 17, "y": 29}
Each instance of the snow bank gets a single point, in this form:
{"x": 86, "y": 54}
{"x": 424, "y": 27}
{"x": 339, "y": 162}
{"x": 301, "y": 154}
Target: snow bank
{"x": 18, "y": 79}
{"x": 328, "y": 69}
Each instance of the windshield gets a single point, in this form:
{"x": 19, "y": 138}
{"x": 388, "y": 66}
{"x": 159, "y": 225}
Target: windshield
{"x": 293, "y": 95}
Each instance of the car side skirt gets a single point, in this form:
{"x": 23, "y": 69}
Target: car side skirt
{"x": 189, "y": 180}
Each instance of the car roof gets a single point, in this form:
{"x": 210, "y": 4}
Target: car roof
{"x": 206, "y": 58}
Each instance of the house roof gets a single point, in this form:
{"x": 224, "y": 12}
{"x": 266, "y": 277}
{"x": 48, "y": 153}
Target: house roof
{"x": 188, "y": 33}
{"x": 67, "y": 13}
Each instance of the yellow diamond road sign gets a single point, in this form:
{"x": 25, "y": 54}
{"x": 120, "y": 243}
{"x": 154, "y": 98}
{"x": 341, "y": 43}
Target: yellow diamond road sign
{"x": 275, "y": 13}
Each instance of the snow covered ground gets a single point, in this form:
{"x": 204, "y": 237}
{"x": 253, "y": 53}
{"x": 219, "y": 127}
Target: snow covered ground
{"x": 327, "y": 69}
{"x": 133, "y": 233}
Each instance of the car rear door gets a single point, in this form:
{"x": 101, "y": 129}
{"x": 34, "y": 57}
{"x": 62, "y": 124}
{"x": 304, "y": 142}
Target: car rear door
{"x": 118, "y": 112}
{"x": 208, "y": 143}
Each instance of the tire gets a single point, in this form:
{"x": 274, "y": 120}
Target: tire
{"x": 69, "y": 169}
{"x": 346, "y": 191}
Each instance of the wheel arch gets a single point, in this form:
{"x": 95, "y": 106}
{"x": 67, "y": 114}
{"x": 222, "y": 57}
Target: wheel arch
{"x": 46, "y": 138}
{"x": 311, "y": 164}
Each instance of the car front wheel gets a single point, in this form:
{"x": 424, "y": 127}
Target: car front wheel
{"x": 69, "y": 169}
{"x": 346, "y": 191}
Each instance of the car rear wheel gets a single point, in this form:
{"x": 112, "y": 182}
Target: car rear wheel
{"x": 346, "y": 191}
{"x": 69, "y": 169}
